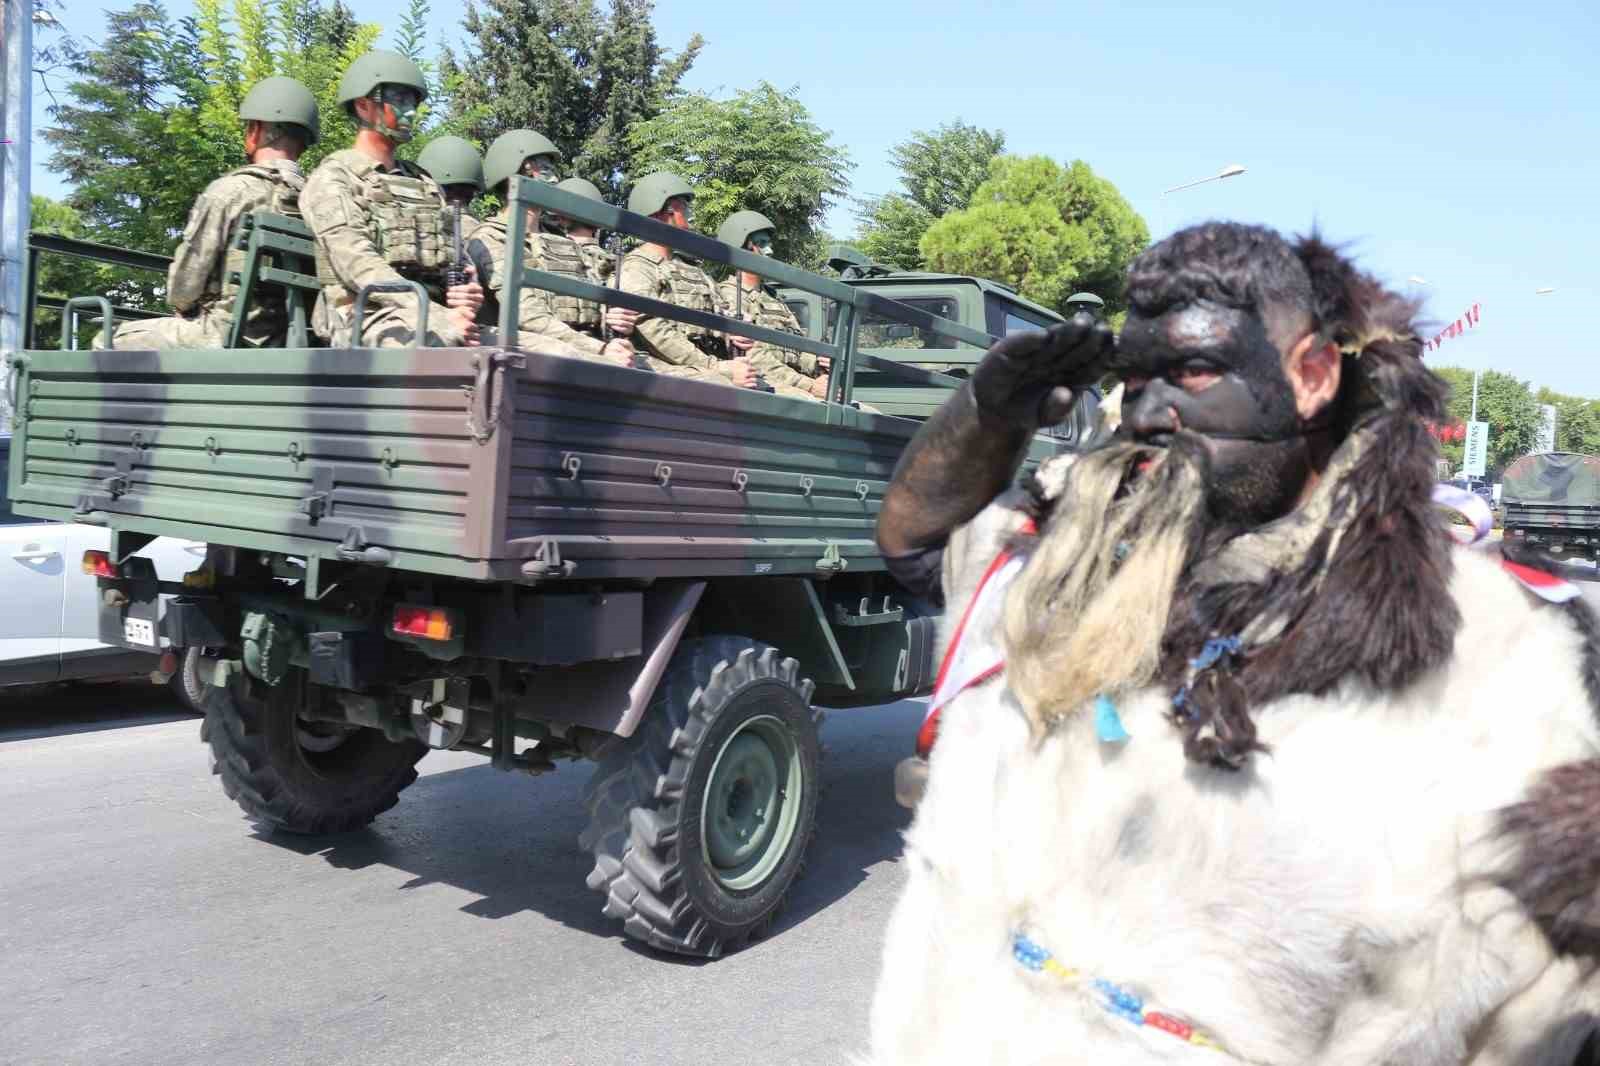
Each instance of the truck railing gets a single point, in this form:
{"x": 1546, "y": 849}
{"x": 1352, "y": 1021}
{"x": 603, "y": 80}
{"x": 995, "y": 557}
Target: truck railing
{"x": 851, "y": 301}
{"x": 41, "y": 244}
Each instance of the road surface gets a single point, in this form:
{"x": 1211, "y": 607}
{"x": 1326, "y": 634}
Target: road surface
{"x": 143, "y": 921}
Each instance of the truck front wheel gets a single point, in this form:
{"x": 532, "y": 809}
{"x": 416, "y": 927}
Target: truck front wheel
{"x": 699, "y": 822}
{"x": 296, "y": 775}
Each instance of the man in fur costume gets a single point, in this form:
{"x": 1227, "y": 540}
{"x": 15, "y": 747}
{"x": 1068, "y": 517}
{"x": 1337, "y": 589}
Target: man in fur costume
{"x": 1240, "y": 758}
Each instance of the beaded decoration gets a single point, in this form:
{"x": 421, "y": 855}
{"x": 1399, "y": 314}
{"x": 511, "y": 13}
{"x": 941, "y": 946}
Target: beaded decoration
{"x": 1118, "y": 1000}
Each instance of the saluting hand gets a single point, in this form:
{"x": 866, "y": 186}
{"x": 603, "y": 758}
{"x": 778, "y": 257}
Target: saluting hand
{"x": 1029, "y": 378}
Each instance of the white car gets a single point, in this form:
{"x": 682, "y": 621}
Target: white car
{"x": 49, "y": 608}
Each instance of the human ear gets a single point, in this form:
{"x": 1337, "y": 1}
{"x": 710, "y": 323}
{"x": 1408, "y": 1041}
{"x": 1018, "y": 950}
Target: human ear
{"x": 1313, "y": 368}
{"x": 252, "y": 137}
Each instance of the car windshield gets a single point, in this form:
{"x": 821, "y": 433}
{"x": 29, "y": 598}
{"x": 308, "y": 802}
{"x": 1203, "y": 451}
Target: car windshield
{"x": 877, "y": 331}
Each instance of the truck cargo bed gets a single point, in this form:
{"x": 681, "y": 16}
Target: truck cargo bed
{"x": 477, "y": 463}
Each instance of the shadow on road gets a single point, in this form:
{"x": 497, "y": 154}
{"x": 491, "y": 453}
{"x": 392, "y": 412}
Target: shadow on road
{"x": 28, "y": 712}
{"x": 512, "y": 844}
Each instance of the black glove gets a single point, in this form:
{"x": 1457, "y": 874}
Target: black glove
{"x": 1029, "y": 378}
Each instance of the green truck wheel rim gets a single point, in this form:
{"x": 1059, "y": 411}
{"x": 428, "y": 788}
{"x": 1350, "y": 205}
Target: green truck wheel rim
{"x": 752, "y": 804}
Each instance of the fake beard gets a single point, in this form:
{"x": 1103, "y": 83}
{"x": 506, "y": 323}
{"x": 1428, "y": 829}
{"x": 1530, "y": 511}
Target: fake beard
{"x": 1086, "y": 615}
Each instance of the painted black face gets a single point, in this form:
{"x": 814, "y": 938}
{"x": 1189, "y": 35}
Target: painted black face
{"x": 1213, "y": 371}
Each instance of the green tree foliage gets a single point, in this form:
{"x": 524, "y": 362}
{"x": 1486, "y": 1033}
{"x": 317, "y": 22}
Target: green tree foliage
{"x": 1047, "y": 229}
{"x": 939, "y": 172}
{"x": 759, "y": 150}
{"x": 580, "y": 76}
{"x": 1577, "y": 421}
{"x": 61, "y": 277}
{"x": 1504, "y": 402}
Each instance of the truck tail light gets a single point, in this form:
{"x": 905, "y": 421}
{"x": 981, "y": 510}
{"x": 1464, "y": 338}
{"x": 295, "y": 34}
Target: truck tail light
{"x": 99, "y": 564}
{"x": 430, "y": 623}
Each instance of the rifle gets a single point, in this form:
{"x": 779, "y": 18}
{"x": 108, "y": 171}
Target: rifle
{"x": 738, "y": 313}
{"x": 456, "y": 273}
{"x": 615, "y": 246}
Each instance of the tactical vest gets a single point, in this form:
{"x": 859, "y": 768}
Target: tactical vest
{"x": 284, "y": 200}
{"x": 760, "y": 307}
{"x": 407, "y": 222}
{"x": 688, "y": 286}
{"x": 562, "y": 256}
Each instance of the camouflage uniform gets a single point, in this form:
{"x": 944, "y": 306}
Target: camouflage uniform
{"x": 377, "y": 225}
{"x": 601, "y": 264}
{"x": 791, "y": 373}
{"x": 541, "y": 322}
{"x": 199, "y": 284}
{"x": 672, "y": 347}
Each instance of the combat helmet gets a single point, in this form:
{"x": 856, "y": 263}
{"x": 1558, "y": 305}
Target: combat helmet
{"x": 506, "y": 155}
{"x": 581, "y": 187}
{"x": 452, "y": 161}
{"x": 380, "y": 67}
{"x": 1085, "y": 301}
{"x": 737, "y": 227}
{"x": 284, "y": 101}
{"x": 651, "y": 192}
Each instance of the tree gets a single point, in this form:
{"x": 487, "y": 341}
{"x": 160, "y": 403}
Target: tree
{"x": 1504, "y": 402}
{"x": 1577, "y": 422}
{"x": 1047, "y": 229}
{"x": 759, "y": 151}
{"x": 939, "y": 172}
{"x": 580, "y": 77}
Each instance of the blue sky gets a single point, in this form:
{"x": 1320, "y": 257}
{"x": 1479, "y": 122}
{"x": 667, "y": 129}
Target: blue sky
{"x": 1457, "y": 142}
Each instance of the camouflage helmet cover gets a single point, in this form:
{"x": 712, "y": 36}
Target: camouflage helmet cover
{"x": 380, "y": 67}
{"x": 284, "y": 101}
{"x": 452, "y": 161}
{"x": 581, "y": 187}
{"x": 737, "y": 227}
{"x": 651, "y": 192}
{"x": 508, "y": 152}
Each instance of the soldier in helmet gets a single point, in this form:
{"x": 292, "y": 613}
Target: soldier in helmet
{"x": 748, "y": 297}
{"x": 544, "y": 319}
{"x": 654, "y": 270}
{"x": 454, "y": 163}
{"x": 1085, "y": 301}
{"x": 571, "y": 248}
{"x": 280, "y": 122}
{"x": 380, "y": 219}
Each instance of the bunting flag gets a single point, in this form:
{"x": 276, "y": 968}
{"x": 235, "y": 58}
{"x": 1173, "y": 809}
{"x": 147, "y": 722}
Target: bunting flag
{"x": 1468, "y": 320}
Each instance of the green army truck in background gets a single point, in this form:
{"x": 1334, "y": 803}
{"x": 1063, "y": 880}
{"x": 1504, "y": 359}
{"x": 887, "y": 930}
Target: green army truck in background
{"x": 1552, "y": 500}
{"x": 520, "y": 555}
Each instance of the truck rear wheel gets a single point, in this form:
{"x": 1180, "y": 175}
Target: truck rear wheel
{"x": 699, "y": 822}
{"x": 296, "y": 775}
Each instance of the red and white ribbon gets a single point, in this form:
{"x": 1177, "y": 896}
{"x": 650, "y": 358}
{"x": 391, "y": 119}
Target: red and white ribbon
{"x": 1469, "y": 318}
{"x": 1547, "y": 587}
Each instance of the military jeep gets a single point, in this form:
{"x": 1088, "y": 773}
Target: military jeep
{"x": 529, "y": 557}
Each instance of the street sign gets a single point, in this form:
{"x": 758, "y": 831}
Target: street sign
{"x": 1475, "y": 458}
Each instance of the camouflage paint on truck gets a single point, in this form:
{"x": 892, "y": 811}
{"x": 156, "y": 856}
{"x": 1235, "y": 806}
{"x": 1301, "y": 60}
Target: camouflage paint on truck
{"x": 1553, "y": 500}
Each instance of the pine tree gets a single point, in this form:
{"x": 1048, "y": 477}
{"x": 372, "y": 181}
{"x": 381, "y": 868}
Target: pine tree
{"x": 562, "y": 67}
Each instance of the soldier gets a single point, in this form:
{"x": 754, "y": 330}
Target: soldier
{"x": 749, "y": 298}
{"x": 542, "y": 317}
{"x": 1085, "y": 301}
{"x": 572, "y": 249}
{"x": 585, "y": 236}
{"x": 454, "y": 163}
{"x": 280, "y": 122}
{"x": 653, "y": 270}
{"x": 380, "y": 219}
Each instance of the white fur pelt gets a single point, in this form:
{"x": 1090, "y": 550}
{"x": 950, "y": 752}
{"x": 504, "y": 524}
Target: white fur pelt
{"x": 1329, "y": 904}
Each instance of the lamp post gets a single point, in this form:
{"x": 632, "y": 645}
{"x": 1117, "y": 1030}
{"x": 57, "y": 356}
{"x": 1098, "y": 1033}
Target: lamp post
{"x": 1229, "y": 171}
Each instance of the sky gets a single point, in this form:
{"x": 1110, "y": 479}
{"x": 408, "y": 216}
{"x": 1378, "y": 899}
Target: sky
{"x": 1455, "y": 142}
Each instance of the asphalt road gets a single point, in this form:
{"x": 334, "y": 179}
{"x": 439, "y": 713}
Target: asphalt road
{"x": 143, "y": 921}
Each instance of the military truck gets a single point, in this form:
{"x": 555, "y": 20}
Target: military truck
{"x": 1552, "y": 500}
{"x": 528, "y": 557}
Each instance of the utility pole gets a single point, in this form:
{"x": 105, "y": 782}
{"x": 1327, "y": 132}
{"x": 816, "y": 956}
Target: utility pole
{"x": 16, "y": 133}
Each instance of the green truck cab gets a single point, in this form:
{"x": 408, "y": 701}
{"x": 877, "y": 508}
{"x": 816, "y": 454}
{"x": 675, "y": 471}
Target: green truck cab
{"x": 520, "y": 555}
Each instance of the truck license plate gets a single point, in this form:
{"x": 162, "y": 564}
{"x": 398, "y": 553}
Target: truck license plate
{"x": 139, "y": 631}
